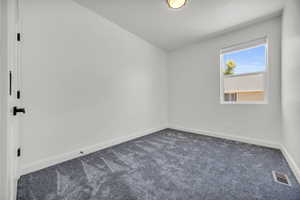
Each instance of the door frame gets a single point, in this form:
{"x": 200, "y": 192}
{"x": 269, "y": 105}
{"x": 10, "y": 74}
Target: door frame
{"x": 13, "y": 67}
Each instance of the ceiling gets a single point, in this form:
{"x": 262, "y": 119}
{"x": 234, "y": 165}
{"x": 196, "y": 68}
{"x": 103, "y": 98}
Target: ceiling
{"x": 170, "y": 29}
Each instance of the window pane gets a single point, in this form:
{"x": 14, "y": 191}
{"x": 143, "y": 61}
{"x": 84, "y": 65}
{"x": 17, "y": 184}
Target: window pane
{"x": 244, "y": 74}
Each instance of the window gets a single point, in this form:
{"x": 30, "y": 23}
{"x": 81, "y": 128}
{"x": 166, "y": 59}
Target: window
{"x": 243, "y": 70}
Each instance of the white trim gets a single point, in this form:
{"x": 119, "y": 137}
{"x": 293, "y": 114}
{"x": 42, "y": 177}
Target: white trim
{"x": 44, "y": 163}
{"x": 245, "y": 45}
{"x": 226, "y": 136}
{"x": 12, "y": 125}
{"x": 245, "y": 102}
{"x": 291, "y": 162}
{"x": 267, "y": 71}
{"x": 87, "y": 150}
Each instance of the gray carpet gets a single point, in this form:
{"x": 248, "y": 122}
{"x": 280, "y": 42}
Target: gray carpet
{"x": 167, "y": 165}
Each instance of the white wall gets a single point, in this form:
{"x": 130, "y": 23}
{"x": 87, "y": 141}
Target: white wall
{"x": 194, "y": 87}
{"x": 85, "y": 80}
{"x": 291, "y": 80}
{"x": 3, "y": 102}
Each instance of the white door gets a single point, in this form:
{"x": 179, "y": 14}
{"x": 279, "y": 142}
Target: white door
{"x": 15, "y": 107}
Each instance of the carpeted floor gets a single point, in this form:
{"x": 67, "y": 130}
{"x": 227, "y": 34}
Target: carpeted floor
{"x": 167, "y": 165}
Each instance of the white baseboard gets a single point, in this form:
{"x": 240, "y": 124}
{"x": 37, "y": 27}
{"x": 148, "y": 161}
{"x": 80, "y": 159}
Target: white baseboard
{"x": 228, "y": 137}
{"x": 291, "y": 162}
{"x": 288, "y": 157}
{"x": 87, "y": 150}
{"x": 41, "y": 164}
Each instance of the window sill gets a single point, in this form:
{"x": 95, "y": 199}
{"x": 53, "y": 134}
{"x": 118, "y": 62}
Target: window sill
{"x": 245, "y": 102}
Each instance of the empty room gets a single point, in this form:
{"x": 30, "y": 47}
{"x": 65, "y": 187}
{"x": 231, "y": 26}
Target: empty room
{"x": 150, "y": 100}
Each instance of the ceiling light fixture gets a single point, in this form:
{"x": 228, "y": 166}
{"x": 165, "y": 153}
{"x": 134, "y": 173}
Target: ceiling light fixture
{"x": 176, "y": 3}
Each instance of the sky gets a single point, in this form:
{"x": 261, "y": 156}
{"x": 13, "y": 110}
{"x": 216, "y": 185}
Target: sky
{"x": 249, "y": 60}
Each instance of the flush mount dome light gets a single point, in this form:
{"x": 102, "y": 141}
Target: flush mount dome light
{"x": 176, "y": 3}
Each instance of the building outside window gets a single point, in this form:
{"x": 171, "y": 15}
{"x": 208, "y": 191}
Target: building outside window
{"x": 244, "y": 73}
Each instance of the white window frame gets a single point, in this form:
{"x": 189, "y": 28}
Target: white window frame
{"x": 240, "y": 47}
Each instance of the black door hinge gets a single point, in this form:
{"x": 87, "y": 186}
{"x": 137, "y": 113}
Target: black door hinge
{"x": 18, "y": 37}
{"x": 18, "y": 94}
{"x": 19, "y": 152}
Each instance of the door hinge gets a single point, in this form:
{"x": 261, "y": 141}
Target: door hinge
{"x": 18, "y": 94}
{"x": 18, "y": 37}
{"x": 19, "y": 152}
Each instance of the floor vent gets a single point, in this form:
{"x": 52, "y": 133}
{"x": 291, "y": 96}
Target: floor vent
{"x": 281, "y": 178}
